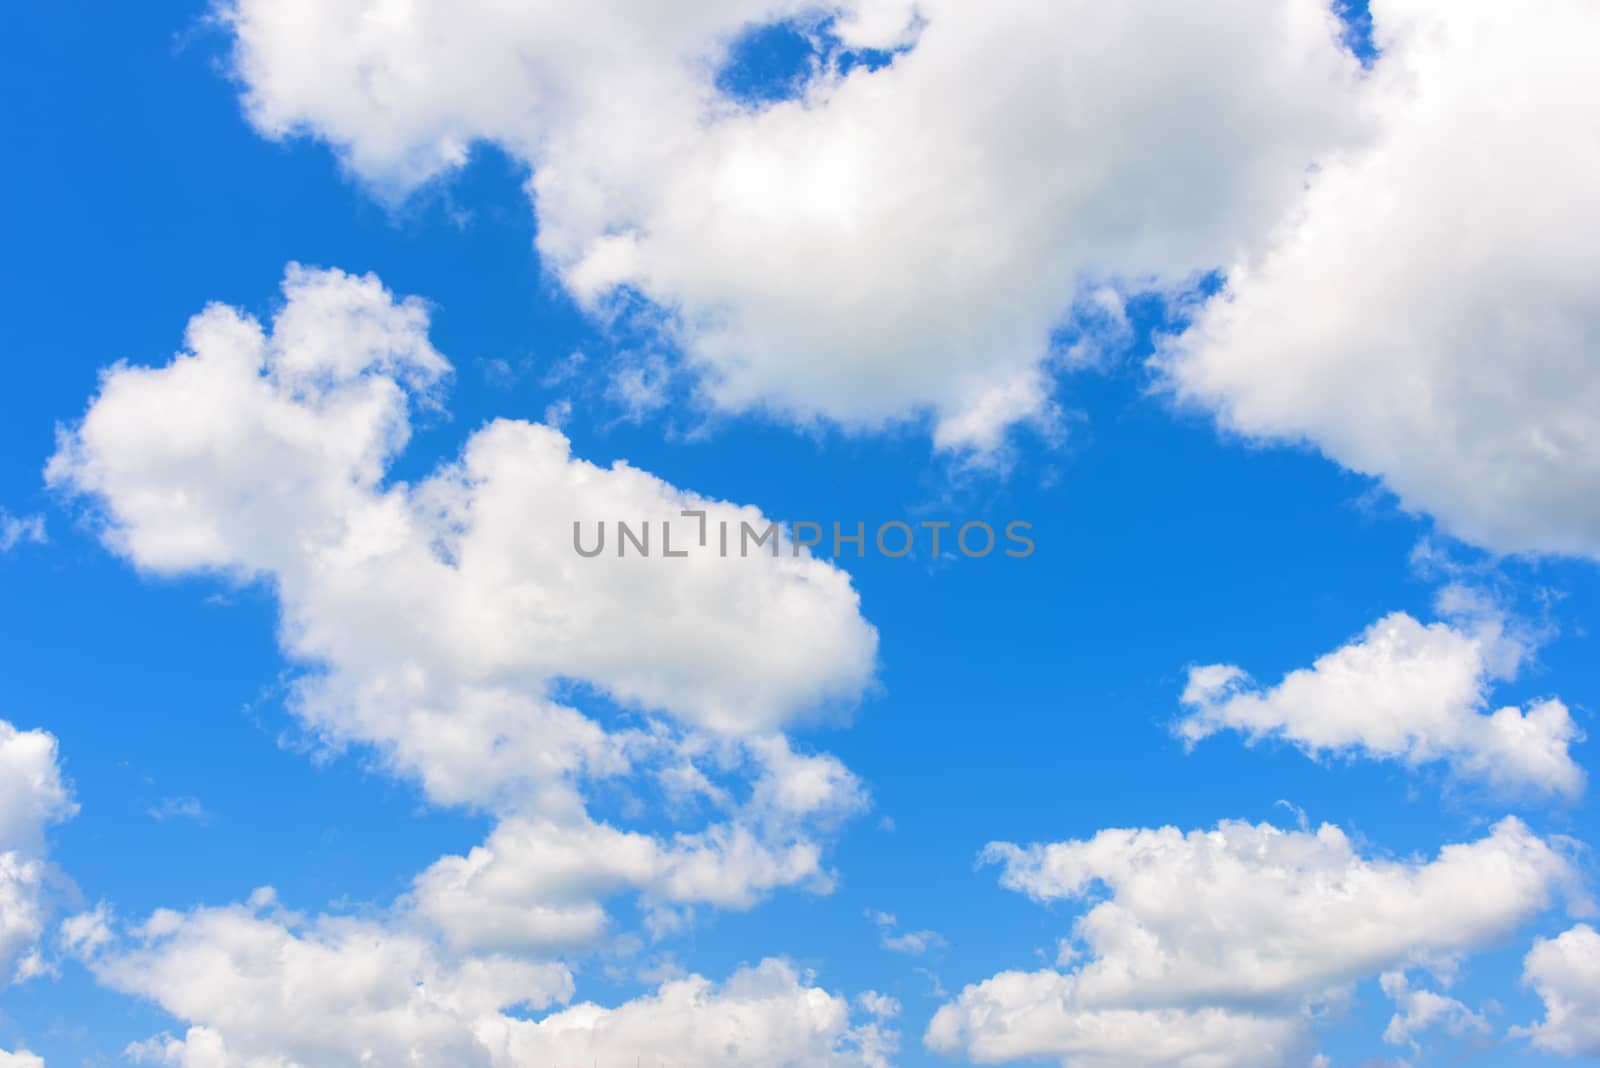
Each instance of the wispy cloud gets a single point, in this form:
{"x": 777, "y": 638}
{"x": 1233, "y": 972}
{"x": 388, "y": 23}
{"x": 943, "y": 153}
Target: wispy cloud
{"x": 18, "y": 529}
{"x": 179, "y": 808}
{"x": 892, "y": 938}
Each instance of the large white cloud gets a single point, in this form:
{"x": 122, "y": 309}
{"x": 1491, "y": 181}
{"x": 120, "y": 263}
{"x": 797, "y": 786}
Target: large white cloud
{"x": 263, "y": 988}
{"x": 762, "y": 1015}
{"x": 439, "y": 621}
{"x": 1026, "y": 1016}
{"x": 449, "y": 972}
{"x": 1209, "y": 947}
{"x": 1565, "y": 971}
{"x": 279, "y": 990}
{"x": 1406, "y": 251}
{"x": 892, "y": 241}
{"x": 1403, "y": 691}
{"x": 32, "y": 797}
{"x": 1427, "y": 315}
{"x": 440, "y": 616}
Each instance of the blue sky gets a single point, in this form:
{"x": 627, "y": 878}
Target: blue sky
{"x": 1180, "y": 520}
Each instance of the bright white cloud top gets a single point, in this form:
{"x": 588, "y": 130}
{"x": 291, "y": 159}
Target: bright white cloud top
{"x": 891, "y": 241}
{"x": 1565, "y": 972}
{"x": 441, "y": 613}
{"x": 1427, "y": 314}
{"x": 1210, "y": 947}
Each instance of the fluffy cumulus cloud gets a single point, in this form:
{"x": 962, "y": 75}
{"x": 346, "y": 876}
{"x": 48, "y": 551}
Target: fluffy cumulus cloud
{"x": 1426, "y": 315}
{"x": 451, "y": 623}
{"x": 20, "y": 1059}
{"x": 263, "y": 988}
{"x": 32, "y": 797}
{"x": 1565, "y": 972}
{"x": 1018, "y": 1016}
{"x": 1211, "y": 947}
{"x": 901, "y": 236}
{"x": 540, "y": 884}
{"x": 908, "y": 235}
{"x": 437, "y": 617}
{"x": 1406, "y": 691}
{"x": 761, "y": 1015}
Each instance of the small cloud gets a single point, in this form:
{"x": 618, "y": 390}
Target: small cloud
{"x": 1300, "y": 817}
{"x": 17, "y": 530}
{"x": 557, "y": 413}
{"x": 914, "y": 943}
{"x": 880, "y": 1006}
{"x": 179, "y": 808}
{"x": 1098, "y": 332}
{"x": 936, "y": 988}
{"x": 499, "y": 373}
{"x": 33, "y": 965}
{"x": 564, "y": 370}
{"x": 640, "y": 388}
{"x": 84, "y": 934}
{"x": 503, "y": 374}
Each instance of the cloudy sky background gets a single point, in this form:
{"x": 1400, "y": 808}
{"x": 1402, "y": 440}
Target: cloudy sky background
{"x": 326, "y": 320}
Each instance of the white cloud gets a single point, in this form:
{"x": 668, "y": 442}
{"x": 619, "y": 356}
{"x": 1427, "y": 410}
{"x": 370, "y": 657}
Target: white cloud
{"x": 32, "y": 797}
{"x": 439, "y": 616}
{"x": 1211, "y": 947}
{"x": 1565, "y": 971}
{"x": 913, "y": 943}
{"x": 445, "y": 973}
{"x": 1418, "y": 1010}
{"x": 881, "y": 1006}
{"x": 440, "y": 621}
{"x": 18, "y": 529}
{"x": 262, "y": 988}
{"x": 1032, "y": 1015}
{"x": 178, "y": 808}
{"x": 639, "y": 386}
{"x": 539, "y": 885}
{"x": 906, "y": 239}
{"x": 1426, "y": 315}
{"x": 32, "y": 793}
{"x": 20, "y": 1059}
{"x": 893, "y": 241}
{"x": 1403, "y": 691}
{"x": 274, "y": 989}
{"x": 762, "y": 1015}
{"x": 84, "y": 934}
